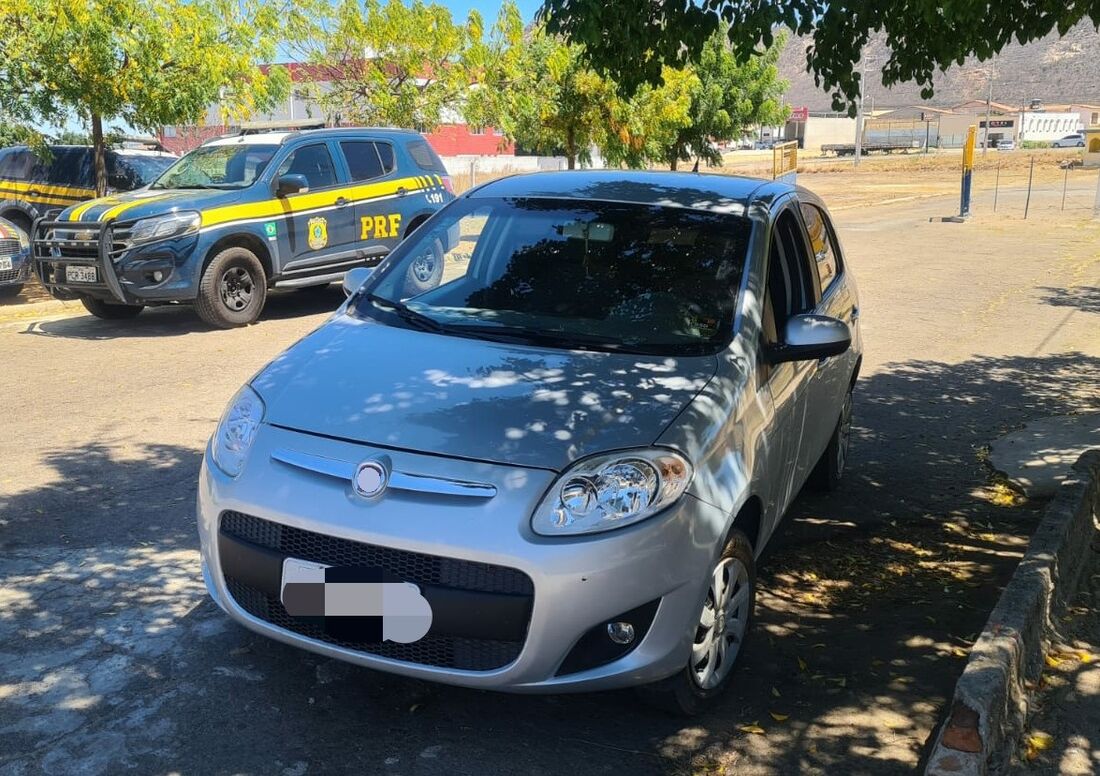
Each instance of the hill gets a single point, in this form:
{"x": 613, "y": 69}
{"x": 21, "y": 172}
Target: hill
{"x": 1053, "y": 69}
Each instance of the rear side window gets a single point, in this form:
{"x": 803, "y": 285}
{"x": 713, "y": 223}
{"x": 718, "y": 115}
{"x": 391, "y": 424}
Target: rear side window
{"x": 15, "y": 163}
{"x": 385, "y": 153}
{"x": 363, "y": 160}
{"x": 425, "y": 157}
{"x": 71, "y": 167}
{"x": 823, "y": 245}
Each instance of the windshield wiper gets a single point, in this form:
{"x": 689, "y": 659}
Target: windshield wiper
{"x": 531, "y": 334}
{"x": 406, "y": 313}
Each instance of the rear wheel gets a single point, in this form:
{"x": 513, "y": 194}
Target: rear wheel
{"x": 829, "y": 470}
{"x": 232, "y": 290}
{"x": 109, "y": 311}
{"x": 718, "y": 636}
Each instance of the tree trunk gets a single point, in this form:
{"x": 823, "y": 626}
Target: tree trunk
{"x": 571, "y": 150}
{"x": 100, "y": 155}
{"x": 675, "y": 163}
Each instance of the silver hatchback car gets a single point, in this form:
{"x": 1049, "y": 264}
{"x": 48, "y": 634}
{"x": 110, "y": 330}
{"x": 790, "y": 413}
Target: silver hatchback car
{"x": 552, "y": 471}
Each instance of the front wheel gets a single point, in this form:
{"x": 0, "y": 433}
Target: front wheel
{"x": 110, "y": 312}
{"x": 717, "y": 637}
{"x": 829, "y": 470}
{"x": 232, "y": 290}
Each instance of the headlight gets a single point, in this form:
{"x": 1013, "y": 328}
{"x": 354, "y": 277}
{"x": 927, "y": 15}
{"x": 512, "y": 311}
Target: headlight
{"x": 610, "y": 491}
{"x": 164, "y": 227}
{"x": 236, "y": 431}
{"x": 24, "y": 239}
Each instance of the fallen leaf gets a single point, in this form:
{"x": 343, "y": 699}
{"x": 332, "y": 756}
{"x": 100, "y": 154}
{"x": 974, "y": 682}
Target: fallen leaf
{"x": 775, "y": 692}
{"x": 1053, "y": 661}
{"x": 801, "y": 664}
{"x": 779, "y": 717}
{"x": 1085, "y": 657}
{"x": 1036, "y": 743}
{"x": 753, "y": 728}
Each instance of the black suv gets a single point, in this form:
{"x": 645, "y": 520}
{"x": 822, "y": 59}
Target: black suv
{"x": 31, "y": 187}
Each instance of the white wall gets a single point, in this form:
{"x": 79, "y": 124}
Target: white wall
{"x": 1048, "y": 126}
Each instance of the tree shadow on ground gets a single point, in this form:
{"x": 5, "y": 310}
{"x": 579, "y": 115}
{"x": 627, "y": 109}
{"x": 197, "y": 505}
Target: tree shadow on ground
{"x": 1084, "y": 298}
{"x": 869, "y": 600}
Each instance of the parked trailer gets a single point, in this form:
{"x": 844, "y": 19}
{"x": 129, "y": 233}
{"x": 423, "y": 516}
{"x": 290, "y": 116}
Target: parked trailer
{"x": 849, "y": 149}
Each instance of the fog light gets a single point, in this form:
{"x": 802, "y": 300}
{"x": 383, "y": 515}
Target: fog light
{"x": 620, "y": 632}
{"x": 158, "y": 276}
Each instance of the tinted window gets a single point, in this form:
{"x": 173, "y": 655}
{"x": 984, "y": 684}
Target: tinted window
{"x": 822, "y": 244}
{"x": 637, "y": 278}
{"x": 363, "y": 161}
{"x": 71, "y": 167}
{"x": 15, "y": 163}
{"x": 314, "y": 162}
{"x": 385, "y": 153}
{"x": 789, "y": 291}
{"x": 425, "y": 157}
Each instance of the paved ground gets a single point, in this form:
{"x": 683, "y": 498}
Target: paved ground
{"x": 111, "y": 659}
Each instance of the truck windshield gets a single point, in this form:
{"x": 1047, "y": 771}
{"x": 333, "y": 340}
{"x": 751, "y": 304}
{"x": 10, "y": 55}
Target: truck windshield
{"x": 577, "y": 274}
{"x": 218, "y": 167}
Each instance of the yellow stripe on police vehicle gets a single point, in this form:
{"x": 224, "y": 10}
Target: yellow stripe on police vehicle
{"x": 245, "y": 214}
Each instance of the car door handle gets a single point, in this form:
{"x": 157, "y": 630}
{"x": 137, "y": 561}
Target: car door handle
{"x": 402, "y": 191}
{"x": 341, "y": 201}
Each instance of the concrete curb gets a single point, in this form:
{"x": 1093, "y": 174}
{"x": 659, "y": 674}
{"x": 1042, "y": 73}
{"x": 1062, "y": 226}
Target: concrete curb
{"x": 989, "y": 709}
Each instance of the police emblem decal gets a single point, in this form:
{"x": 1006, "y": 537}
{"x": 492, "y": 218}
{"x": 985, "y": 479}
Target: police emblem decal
{"x": 318, "y": 233}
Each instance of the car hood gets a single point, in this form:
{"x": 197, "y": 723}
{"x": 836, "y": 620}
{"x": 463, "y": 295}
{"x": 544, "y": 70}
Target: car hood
{"x": 144, "y": 203}
{"x": 530, "y": 406}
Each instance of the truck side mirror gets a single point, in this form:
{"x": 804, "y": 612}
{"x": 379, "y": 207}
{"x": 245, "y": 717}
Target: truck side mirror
{"x": 291, "y": 183}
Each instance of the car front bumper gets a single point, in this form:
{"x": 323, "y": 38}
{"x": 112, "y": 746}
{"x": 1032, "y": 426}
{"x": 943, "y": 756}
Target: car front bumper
{"x": 656, "y": 570}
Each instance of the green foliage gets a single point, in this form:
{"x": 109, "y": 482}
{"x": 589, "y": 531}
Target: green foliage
{"x": 144, "y": 62}
{"x": 72, "y": 137}
{"x": 15, "y": 134}
{"x": 728, "y": 97}
{"x": 403, "y": 65}
{"x": 633, "y": 41}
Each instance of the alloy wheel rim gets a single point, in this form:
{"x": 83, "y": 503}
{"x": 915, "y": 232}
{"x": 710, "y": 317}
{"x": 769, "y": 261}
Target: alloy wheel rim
{"x": 845, "y": 433}
{"x": 722, "y": 624}
{"x": 423, "y": 268}
{"x": 236, "y": 288}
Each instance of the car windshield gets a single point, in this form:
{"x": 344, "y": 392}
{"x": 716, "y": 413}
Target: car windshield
{"x": 576, "y": 274}
{"x": 134, "y": 170}
{"x": 218, "y": 167}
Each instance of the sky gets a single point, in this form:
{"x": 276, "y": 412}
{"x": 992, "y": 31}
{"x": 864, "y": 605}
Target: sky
{"x": 489, "y": 8}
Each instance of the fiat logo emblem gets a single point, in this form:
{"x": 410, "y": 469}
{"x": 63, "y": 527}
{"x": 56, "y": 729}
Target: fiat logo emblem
{"x": 370, "y": 479}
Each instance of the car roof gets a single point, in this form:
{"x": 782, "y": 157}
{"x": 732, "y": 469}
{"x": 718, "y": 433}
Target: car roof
{"x": 697, "y": 191}
{"x": 278, "y": 138}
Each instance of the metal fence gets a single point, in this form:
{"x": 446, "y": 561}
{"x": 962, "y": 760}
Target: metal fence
{"x": 1030, "y": 191}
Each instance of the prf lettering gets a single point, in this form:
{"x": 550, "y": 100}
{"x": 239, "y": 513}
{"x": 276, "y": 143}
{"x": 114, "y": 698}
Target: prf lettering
{"x": 380, "y": 226}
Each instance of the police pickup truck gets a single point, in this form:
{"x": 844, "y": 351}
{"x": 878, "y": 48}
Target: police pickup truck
{"x": 241, "y": 215}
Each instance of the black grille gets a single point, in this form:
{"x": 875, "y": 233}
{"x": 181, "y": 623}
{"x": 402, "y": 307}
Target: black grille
{"x": 440, "y": 651}
{"x": 8, "y": 275}
{"x": 410, "y": 566}
{"x": 443, "y": 651}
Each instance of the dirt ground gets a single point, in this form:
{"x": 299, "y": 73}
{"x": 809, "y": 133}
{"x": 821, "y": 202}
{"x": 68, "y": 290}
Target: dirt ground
{"x": 112, "y": 658}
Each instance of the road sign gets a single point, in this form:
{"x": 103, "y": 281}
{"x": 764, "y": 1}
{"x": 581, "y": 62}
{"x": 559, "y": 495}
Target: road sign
{"x": 800, "y": 114}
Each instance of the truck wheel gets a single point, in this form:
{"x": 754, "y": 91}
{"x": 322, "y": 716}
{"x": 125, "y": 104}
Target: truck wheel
{"x": 717, "y": 638}
{"x": 426, "y": 270}
{"x": 232, "y": 290}
{"x": 108, "y": 311}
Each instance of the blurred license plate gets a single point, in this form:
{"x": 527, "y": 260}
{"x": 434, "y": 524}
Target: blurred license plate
{"x": 77, "y": 274}
{"x": 5, "y": 263}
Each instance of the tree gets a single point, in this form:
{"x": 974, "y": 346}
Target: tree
{"x": 643, "y": 126}
{"x": 146, "y": 63}
{"x": 633, "y": 41}
{"x": 561, "y": 104}
{"x": 727, "y": 97}
{"x": 401, "y": 65}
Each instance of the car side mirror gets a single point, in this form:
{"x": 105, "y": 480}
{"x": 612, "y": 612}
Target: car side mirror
{"x": 810, "y": 337}
{"x": 291, "y": 183}
{"x": 355, "y": 278}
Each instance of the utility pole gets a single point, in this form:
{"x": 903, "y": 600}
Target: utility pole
{"x": 859, "y": 110}
{"x": 988, "y": 107}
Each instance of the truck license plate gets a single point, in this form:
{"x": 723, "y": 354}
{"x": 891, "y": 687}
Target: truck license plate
{"x": 5, "y": 263}
{"x": 77, "y": 274}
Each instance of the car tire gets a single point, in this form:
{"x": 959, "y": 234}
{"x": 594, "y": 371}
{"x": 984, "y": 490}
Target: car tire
{"x": 426, "y": 271}
{"x": 233, "y": 289}
{"x": 710, "y": 669}
{"x": 109, "y": 311}
{"x": 829, "y": 470}
{"x": 10, "y": 292}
